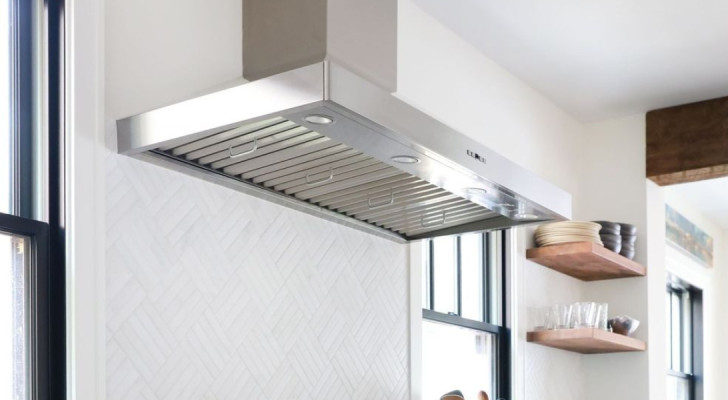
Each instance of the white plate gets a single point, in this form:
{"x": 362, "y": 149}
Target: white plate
{"x": 572, "y": 240}
{"x": 562, "y": 233}
{"x": 570, "y": 225}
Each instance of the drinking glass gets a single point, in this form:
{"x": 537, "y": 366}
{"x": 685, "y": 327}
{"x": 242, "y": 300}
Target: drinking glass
{"x": 561, "y": 315}
{"x": 586, "y": 315}
{"x": 602, "y": 311}
{"x": 540, "y": 317}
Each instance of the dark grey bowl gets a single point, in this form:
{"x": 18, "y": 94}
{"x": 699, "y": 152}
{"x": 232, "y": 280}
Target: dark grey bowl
{"x": 606, "y": 236}
{"x": 609, "y": 226}
{"x": 615, "y": 247}
{"x": 628, "y": 229}
{"x": 629, "y": 240}
{"x": 627, "y": 254}
{"x": 624, "y": 325}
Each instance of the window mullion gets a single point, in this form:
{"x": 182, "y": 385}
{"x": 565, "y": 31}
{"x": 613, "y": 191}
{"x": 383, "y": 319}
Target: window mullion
{"x": 431, "y": 262}
{"x": 458, "y": 277}
{"x": 687, "y": 333}
{"x": 485, "y": 289}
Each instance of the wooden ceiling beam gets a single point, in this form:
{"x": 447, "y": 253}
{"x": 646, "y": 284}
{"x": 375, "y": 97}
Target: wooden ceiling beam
{"x": 688, "y": 143}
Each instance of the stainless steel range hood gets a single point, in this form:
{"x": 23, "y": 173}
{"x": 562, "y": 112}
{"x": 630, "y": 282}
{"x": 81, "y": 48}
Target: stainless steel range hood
{"x": 323, "y": 139}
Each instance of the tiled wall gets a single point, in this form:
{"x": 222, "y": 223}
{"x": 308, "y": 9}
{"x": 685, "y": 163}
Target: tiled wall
{"x": 212, "y": 294}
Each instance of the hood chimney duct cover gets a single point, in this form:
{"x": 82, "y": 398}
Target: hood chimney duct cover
{"x": 283, "y": 35}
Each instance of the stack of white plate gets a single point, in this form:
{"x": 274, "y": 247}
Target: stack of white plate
{"x": 567, "y": 232}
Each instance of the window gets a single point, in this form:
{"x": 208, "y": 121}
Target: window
{"x": 684, "y": 345}
{"x": 5, "y": 144}
{"x": 24, "y": 309}
{"x": 465, "y": 344}
{"x": 32, "y": 274}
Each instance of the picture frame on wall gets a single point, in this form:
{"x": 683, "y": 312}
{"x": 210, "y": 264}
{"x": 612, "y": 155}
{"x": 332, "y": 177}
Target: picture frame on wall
{"x": 687, "y": 237}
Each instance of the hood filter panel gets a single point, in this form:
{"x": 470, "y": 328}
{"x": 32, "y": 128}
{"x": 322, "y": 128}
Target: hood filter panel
{"x": 280, "y": 155}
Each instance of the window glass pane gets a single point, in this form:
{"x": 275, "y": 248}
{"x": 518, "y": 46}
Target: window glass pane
{"x": 668, "y": 329}
{"x": 12, "y": 317}
{"x": 471, "y": 257}
{"x": 494, "y": 291}
{"x": 426, "y": 277}
{"x": 678, "y": 388}
{"x": 5, "y": 155}
{"x": 445, "y": 274}
{"x": 686, "y": 333}
{"x": 456, "y": 358}
{"x": 676, "y": 335}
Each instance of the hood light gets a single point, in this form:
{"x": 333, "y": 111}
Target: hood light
{"x": 319, "y": 119}
{"x": 475, "y": 191}
{"x": 405, "y": 159}
{"x": 525, "y": 216}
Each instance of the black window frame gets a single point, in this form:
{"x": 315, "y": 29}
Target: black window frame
{"x": 501, "y": 333}
{"x": 39, "y": 303}
{"x": 690, "y": 319}
{"x": 37, "y": 209}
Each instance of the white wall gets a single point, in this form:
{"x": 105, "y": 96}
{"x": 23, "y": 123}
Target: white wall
{"x": 714, "y": 283}
{"x": 613, "y": 189}
{"x": 656, "y": 280}
{"x": 211, "y": 294}
{"x": 162, "y": 51}
{"x": 452, "y": 81}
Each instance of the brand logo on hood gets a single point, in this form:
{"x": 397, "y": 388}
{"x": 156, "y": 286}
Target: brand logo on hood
{"x": 476, "y": 156}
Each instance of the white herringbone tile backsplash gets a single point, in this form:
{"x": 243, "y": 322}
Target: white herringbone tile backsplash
{"x": 213, "y": 294}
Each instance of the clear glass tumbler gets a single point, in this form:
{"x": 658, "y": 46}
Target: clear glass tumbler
{"x": 561, "y": 314}
{"x": 586, "y": 315}
{"x": 540, "y": 318}
{"x": 602, "y": 316}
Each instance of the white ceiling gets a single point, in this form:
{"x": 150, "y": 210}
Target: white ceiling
{"x": 599, "y": 59}
{"x": 710, "y": 197}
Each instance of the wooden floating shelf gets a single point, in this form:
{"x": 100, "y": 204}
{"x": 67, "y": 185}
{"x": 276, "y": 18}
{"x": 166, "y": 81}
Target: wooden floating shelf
{"x": 586, "y": 261}
{"x": 586, "y": 341}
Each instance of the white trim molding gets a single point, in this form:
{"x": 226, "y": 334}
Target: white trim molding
{"x": 416, "y": 260}
{"x": 85, "y": 199}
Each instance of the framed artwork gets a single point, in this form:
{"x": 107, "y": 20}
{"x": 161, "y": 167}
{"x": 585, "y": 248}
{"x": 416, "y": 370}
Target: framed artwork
{"x": 688, "y": 237}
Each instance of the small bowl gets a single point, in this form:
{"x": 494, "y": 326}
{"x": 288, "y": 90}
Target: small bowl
{"x": 614, "y": 246}
{"x": 611, "y": 238}
{"x": 628, "y": 255}
{"x": 610, "y": 226}
{"x": 624, "y": 325}
{"x": 628, "y": 229}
